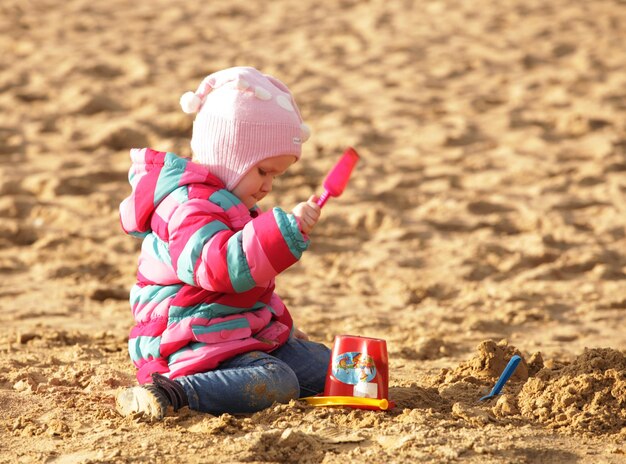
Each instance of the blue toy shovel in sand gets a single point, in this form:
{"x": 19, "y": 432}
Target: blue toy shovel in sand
{"x": 506, "y": 374}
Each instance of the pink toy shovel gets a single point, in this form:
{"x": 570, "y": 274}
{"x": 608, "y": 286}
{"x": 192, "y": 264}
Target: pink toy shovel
{"x": 337, "y": 178}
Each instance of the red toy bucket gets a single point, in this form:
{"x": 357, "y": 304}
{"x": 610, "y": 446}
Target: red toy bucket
{"x": 359, "y": 367}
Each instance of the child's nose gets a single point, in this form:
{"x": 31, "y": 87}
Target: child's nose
{"x": 267, "y": 186}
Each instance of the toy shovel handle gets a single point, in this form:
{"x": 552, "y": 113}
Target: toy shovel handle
{"x": 321, "y": 201}
{"x": 508, "y": 371}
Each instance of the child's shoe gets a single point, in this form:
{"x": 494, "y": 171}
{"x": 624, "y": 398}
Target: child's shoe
{"x": 147, "y": 400}
{"x": 152, "y": 399}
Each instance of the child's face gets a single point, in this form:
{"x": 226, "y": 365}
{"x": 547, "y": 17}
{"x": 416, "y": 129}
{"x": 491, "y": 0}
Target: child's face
{"x": 257, "y": 182}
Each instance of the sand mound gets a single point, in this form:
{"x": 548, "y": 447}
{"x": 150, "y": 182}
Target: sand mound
{"x": 463, "y": 386}
{"x": 587, "y": 395}
{"x": 489, "y": 362}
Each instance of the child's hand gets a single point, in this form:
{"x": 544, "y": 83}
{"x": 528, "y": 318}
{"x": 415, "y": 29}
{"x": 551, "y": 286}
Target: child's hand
{"x": 297, "y": 333}
{"x": 307, "y": 213}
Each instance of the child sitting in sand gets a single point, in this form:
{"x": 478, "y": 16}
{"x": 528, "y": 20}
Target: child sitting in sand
{"x": 210, "y": 332}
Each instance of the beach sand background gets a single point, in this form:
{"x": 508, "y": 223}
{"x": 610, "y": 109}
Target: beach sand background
{"x": 485, "y": 219}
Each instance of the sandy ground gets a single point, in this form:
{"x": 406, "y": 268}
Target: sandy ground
{"x": 486, "y": 219}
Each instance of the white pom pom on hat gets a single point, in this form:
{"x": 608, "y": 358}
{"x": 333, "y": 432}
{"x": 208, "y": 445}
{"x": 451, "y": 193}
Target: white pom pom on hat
{"x": 190, "y": 102}
{"x": 306, "y": 132}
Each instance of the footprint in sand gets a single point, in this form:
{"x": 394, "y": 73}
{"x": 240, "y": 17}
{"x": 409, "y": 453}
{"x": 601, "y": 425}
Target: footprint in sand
{"x": 117, "y": 136}
{"x": 88, "y": 105}
{"x": 527, "y": 262}
{"x": 101, "y": 270}
{"x": 453, "y": 225}
{"x": 16, "y": 206}
{"x": 426, "y": 348}
{"x": 86, "y": 183}
{"x": 109, "y": 293}
{"x": 12, "y": 265}
{"x": 568, "y": 271}
{"x": 14, "y": 233}
{"x": 482, "y": 207}
{"x": 11, "y": 142}
{"x": 370, "y": 219}
{"x": 571, "y": 204}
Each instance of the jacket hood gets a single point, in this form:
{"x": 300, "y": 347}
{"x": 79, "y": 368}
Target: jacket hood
{"x": 153, "y": 175}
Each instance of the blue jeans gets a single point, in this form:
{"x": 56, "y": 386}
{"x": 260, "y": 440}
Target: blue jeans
{"x": 253, "y": 381}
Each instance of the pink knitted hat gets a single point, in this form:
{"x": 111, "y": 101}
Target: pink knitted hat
{"x": 244, "y": 117}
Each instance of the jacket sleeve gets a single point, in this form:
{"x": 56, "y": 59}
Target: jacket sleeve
{"x": 206, "y": 253}
{"x": 281, "y": 312}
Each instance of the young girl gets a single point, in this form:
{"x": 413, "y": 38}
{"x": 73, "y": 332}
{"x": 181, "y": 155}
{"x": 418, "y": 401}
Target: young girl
{"x": 210, "y": 332}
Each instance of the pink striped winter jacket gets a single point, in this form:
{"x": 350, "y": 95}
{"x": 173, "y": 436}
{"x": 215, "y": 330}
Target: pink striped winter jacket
{"x": 205, "y": 280}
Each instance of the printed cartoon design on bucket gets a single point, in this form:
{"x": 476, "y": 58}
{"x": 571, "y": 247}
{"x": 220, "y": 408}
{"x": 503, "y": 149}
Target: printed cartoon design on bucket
{"x": 354, "y": 367}
{"x": 358, "y": 369}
